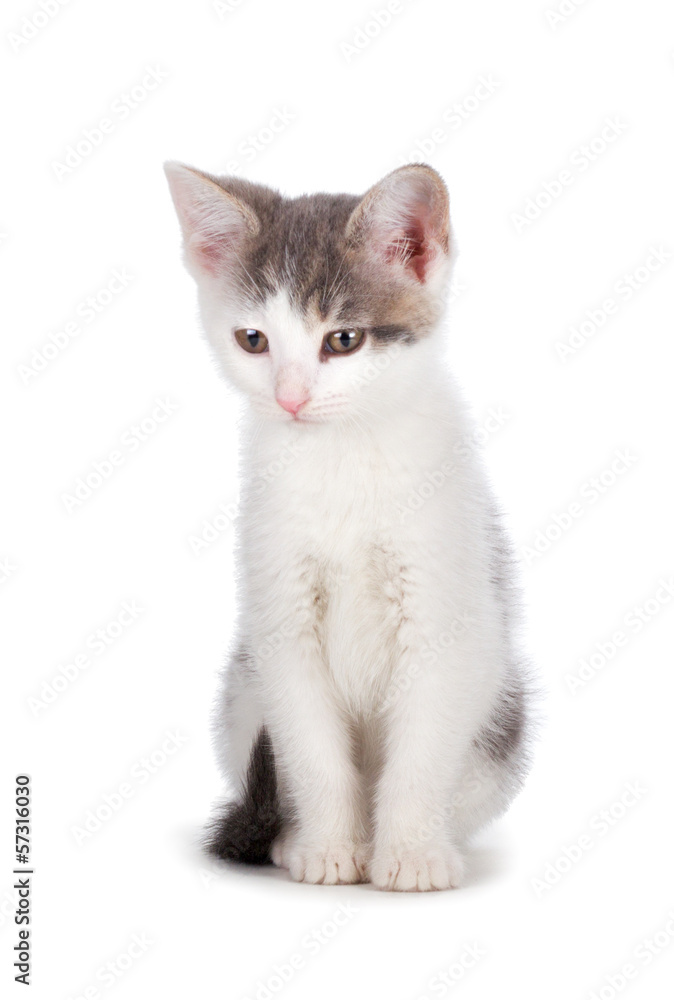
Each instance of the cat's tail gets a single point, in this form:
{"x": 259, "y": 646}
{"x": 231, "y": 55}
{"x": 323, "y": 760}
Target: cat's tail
{"x": 246, "y": 829}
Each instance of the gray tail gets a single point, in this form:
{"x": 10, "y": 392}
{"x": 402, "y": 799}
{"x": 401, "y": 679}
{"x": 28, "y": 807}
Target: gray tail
{"x": 247, "y": 829}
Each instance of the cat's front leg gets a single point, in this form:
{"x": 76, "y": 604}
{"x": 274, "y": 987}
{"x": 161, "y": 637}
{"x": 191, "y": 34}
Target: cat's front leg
{"x": 324, "y": 837}
{"x": 427, "y": 724}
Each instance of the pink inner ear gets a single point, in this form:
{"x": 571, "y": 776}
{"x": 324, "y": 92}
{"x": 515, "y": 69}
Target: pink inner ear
{"x": 411, "y": 248}
{"x": 214, "y": 223}
{"x": 211, "y": 252}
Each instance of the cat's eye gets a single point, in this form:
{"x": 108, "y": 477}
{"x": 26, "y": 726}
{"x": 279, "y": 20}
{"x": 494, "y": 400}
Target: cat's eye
{"x": 343, "y": 341}
{"x": 252, "y": 341}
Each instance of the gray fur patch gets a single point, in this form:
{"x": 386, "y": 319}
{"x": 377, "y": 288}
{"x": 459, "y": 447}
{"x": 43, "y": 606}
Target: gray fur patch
{"x": 388, "y": 334}
{"x": 506, "y": 736}
{"x": 244, "y": 661}
{"x": 503, "y": 737}
{"x": 303, "y": 248}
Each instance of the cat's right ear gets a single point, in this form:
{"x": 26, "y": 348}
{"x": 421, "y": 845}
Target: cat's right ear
{"x": 404, "y": 221}
{"x": 215, "y": 224}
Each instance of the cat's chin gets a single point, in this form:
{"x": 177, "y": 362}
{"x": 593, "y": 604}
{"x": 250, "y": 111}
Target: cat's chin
{"x": 309, "y": 419}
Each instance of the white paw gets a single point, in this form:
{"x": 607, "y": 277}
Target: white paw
{"x": 333, "y": 863}
{"x": 420, "y": 870}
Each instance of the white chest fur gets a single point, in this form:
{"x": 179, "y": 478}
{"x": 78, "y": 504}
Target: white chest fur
{"x": 330, "y": 539}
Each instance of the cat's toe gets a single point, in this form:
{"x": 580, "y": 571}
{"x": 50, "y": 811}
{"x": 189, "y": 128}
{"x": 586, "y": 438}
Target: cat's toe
{"x": 334, "y": 864}
{"x": 410, "y": 870}
{"x": 278, "y": 851}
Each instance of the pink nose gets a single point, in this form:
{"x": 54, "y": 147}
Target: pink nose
{"x": 291, "y": 405}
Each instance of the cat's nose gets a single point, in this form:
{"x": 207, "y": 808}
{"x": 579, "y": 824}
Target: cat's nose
{"x": 291, "y": 405}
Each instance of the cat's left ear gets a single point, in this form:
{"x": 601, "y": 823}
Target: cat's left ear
{"x": 215, "y": 223}
{"x": 404, "y": 221}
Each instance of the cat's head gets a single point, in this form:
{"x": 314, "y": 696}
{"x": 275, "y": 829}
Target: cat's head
{"x": 320, "y": 307}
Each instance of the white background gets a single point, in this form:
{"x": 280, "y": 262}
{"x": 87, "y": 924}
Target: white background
{"x": 520, "y": 287}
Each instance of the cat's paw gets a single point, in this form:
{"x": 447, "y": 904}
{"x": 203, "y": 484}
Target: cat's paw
{"x": 333, "y": 863}
{"x": 416, "y": 870}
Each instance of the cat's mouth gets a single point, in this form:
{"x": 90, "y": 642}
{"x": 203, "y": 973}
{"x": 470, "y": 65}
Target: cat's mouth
{"x": 306, "y": 418}
{"x": 323, "y": 415}
{"x": 315, "y": 411}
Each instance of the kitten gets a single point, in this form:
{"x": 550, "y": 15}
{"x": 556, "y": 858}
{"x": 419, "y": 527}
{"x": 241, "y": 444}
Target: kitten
{"x": 375, "y": 712}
